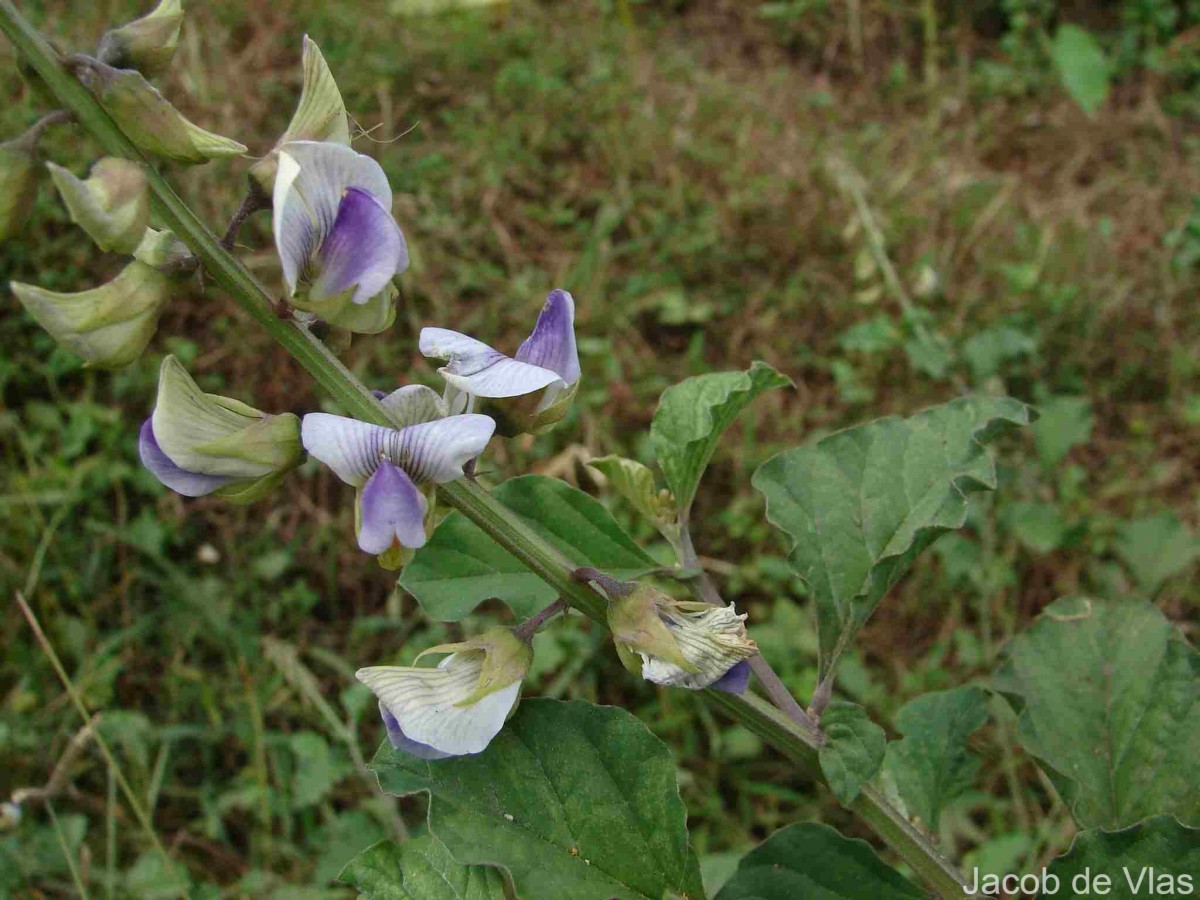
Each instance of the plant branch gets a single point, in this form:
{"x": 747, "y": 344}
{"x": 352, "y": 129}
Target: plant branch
{"x": 465, "y": 495}
{"x": 527, "y": 629}
{"x": 34, "y": 132}
{"x": 254, "y": 201}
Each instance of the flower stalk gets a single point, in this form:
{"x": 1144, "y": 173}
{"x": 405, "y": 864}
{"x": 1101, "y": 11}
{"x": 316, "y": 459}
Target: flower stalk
{"x": 465, "y": 495}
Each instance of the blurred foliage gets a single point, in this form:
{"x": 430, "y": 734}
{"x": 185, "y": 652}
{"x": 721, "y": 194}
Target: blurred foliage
{"x": 891, "y": 209}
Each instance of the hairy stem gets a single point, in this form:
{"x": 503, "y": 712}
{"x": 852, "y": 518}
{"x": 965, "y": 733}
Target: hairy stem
{"x": 465, "y": 495}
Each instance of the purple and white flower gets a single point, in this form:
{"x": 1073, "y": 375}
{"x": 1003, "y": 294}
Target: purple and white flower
{"x": 338, "y": 243}
{"x": 389, "y": 466}
{"x": 546, "y": 364}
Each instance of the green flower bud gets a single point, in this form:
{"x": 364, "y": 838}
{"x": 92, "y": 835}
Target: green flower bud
{"x": 150, "y": 121}
{"x": 161, "y": 249}
{"x": 146, "y": 44}
{"x": 112, "y": 206}
{"x": 320, "y": 116}
{"x": 18, "y": 186}
{"x": 207, "y": 434}
{"x": 506, "y": 658}
{"x": 108, "y": 326}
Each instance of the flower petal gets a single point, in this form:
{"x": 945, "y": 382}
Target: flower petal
{"x": 362, "y": 251}
{"x": 713, "y": 641}
{"x": 437, "y": 451}
{"x": 296, "y": 237}
{"x": 425, "y": 703}
{"x": 392, "y": 510}
{"x": 475, "y": 368}
{"x": 404, "y": 743}
{"x": 181, "y": 481}
{"x": 735, "y": 681}
{"x": 414, "y": 404}
{"x": 351, "y": 448}
{"x": 552, "y": 343}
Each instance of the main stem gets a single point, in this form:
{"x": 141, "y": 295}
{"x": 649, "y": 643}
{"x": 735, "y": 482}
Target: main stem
{"x": 465, "y": 495}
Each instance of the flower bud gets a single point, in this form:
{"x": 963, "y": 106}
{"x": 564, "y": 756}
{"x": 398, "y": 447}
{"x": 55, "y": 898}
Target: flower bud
{"x": 149, "y": 120}
{"x": 146, "y": 44}
{"x": 112, "y": 206}
{"x": 635, "y": 482}
{"x": 108, "y": 326}
{"x": 320, "y": 116}
{"x": 197, "y": 443}
{"x": 458, "y": 707}
{"x": 18, "y": 186}
{"x": 674, "y": 642}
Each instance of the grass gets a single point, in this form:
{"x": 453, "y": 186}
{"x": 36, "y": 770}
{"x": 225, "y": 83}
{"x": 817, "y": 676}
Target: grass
{"x": 682, "y": 170}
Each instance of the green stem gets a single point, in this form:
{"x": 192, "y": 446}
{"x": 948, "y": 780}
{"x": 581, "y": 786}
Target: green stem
{"x": 465, "y": 495}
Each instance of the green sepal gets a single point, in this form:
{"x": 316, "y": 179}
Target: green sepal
{"x": 108, "y": 326}
{"x": 149, "y": 120}
{"x": 161, "y": 249}
{"x": 506, "y": 658}
{"x": 635, "y": 623}
{"x": 146, "y": 44}
{"x": 372, "y": 317}
{"x": 112, "y": 205}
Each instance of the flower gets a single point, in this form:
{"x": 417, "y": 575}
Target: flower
{"x": 338, "y": 243}
{"x": 197, "y": 443}
{"x": 679, "y": 643}
{"x": 320, "y": 116}
{"x": 545, "y": 369}
{"x": 112, "y": 206}
{"x": 108, "y": 326}
{"x": 458, "y": 707}
{"x": 389, "y": 464}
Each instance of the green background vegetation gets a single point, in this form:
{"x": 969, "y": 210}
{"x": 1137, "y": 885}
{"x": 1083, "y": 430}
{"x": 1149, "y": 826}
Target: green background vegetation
{"x": 698, "y": 175}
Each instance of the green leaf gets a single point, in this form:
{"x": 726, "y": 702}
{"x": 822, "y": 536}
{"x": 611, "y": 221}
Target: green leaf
{"x": 931, "y": 765}
{"x": 1109, "y": 703}
{"x": 315, "y": 770}
{"x": 854, "y": 751}
{"x": 1039, "y": 526}
{"x": 1156, "y": 857}
{"x": 575, "y": 800}
{"x": 1063, "y": 422}
{"x": 419, "y": 869}
{"x": 1156, "y": 548}
{"x": 461, "y": 566}
{"x": 860, "y": 504}
{"x": 1083, "y": 67}
{"x": 814, "y": 861}
{"x": 635, "y": 482}
{"x": 990, "y": 350}
{"x": 692, "y": 416}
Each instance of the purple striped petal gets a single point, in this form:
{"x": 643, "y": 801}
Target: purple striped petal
{"x": 362, "y": 251}
{"x": 552, "y": 343}
{"x": 181, "y": 481}
{"x": 736, "y": 680}
{"x": 351, "y": 448}
{"x": 437, "y": 451}
{"x": 405, "y": 744}
{"x": 475, "y": 368}
{"x": 393, "y": 509}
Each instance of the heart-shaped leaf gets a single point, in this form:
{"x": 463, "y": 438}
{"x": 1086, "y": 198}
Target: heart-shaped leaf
{"x": 420, "y": 869}
{"x": 854, "y": 750}
{"x": 1153, "y": 858}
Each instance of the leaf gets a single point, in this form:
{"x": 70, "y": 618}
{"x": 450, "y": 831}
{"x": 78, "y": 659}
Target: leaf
{"x": 854, "y": 750}
{"x": 419, "y": 869}
{"x": 811, "y": 860}
{"x": 1083, "y": 67}
{"x": 1109, "y": 703}
{"x": 315, "y": 770}
{"x": 1063, "y": 422}
{"x": 692, "y": 416}
{"x": 989, "y": 350}
{"x": 635, "y": 482}
{"x": 861, "y": 504}
{"x": 461, "y": 566}
{"x": 1039, "y": 526}
{"x": 930, "y": 764}
{"x": 1134, "y": 859}
{"x": 1156, "y": 548}
{"x": 575, "y": 800}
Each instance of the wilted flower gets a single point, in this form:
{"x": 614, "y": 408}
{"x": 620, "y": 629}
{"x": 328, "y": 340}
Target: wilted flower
{"x": 545, "y": 369}
{"x": 146, "y": 44}
{"x": 338, "y": 243}
{"x": 149, "y": 120}
{"x": 112, "y": 206}
{"x": 18, "y": 185}
{"x": 388, "y": 465}
{"x": 108, "y": 326}
{"x": 197, "y": 443}
{"x": 320, "y": 116}
{"x": 679, "y": 643}
{"x": 458, "y": 707}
